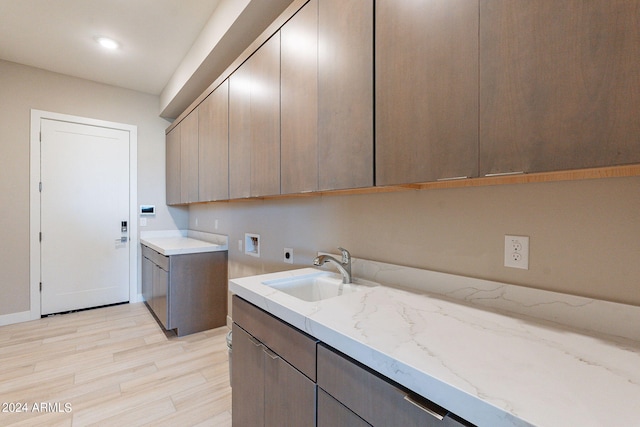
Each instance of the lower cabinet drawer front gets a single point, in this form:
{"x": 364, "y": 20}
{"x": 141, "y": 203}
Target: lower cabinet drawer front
{"x": 332, "y": 413}
{"x": 293, "y": 345}
{"x": 375, "y": 399}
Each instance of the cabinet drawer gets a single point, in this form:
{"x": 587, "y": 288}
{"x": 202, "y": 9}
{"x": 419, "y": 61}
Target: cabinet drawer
{"x": 156, "y": 257}
{"x": 375, "y": 399}
{"x": 296, "y": 347}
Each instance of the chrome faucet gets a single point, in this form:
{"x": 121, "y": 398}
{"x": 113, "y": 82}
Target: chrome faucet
{"x": 344, "y": 266}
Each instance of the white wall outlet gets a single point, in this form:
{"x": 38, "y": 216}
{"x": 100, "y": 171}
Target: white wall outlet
{"x": 252, "y": 244}
{"x": 516, "y": 252}
{"x": 215, "y": 224}
{"x": 240, "y": 245}
{"x": 288, "y": 255}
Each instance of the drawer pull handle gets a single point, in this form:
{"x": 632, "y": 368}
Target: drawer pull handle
{"x": 271, "y": 354}
{"x": 453, "y": 178}
{"x": 424, "y": 408}
{"x": 504, "y": 173}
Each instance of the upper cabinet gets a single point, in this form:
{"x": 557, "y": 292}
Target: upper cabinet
{"x": 173, "y": 166}
{"x": 559, "y": 84}
{"x": 254, "y": 124}
{"x": 426, "y": 90}
{"x": 327, "y": 96}
{"x": 189, "y": 159}
{"x": 213, "y": 136}
{"x": 345, "y": 94}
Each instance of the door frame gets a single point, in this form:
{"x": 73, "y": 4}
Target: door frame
{"x": 34, "y": 196}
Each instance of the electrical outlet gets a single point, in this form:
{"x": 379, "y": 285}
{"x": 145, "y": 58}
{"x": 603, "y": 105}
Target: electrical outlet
{"x": 516, "y": 252}
{"x": 288, "y": 255}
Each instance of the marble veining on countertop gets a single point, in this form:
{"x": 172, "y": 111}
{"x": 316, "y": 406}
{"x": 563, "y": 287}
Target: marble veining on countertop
{"x": 180, "y": 242}
{"x": 509, "y": 362}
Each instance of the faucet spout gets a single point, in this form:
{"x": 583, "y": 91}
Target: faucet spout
{"x": 343, "y": 266}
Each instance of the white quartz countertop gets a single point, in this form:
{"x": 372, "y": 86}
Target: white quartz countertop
{"x": 489, "y": 367}
{"x": 180, "y": 242}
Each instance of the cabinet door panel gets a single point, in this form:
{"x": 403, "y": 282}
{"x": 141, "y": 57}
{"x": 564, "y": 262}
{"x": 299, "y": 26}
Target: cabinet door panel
{"x": 213, "y": 138}
{"x": 189, "y": 158}
{"x": 290, "y": 397}
{"x": 345, "y": 91}
{"x": 147, "y": 280}
{"x": 426, "y": 90}
{"x": 173, "y": 166}
{"x": 240, "y": 132}
{"x": 160, "y": 300}
{"x": 265, "y": 118}
{"x": 332, "y": 413}
{"x": 247, "y": 380}
{"x": 299, "y": 91}
{"x": 559, "y": 84}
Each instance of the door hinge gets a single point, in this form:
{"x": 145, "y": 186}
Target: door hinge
{"x": 40, "y": 286}
{"x": 40, "y": 236}
{"x": 40, "y": 136}
{"x": 40, "y": 187}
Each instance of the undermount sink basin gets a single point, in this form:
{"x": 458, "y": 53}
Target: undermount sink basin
{"x": 316, "y": 286}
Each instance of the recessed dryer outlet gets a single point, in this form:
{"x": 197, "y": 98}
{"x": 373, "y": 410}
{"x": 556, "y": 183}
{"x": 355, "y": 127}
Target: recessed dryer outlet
{"x": 252, "y": 244}
{"x": 288, "y": 255}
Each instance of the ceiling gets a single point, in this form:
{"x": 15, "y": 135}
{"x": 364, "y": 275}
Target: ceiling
{"x": 155, "y": 35}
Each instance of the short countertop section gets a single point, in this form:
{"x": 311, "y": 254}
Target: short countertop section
{"x": 488, "y": 366}
{"x": 180, "y": 242}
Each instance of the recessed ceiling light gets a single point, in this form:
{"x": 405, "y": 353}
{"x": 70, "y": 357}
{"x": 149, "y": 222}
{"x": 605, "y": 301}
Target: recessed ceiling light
{"x": 107, "y": 43}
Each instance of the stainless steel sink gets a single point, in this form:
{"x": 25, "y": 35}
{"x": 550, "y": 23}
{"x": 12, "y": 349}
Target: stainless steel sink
{"x": 316, "y": 286}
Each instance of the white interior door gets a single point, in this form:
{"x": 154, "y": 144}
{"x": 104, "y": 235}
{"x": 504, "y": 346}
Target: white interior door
{"x": 84, "y": 202}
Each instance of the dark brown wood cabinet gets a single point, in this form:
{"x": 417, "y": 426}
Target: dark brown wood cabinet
{"x": 186, "y": 292}
{"x": 273, "y": 373}
{"x": 559, "y": 84}
{"x": 254, "y": 124}
{"x": 426, "y": 68}
{"x": 213, "y": 138}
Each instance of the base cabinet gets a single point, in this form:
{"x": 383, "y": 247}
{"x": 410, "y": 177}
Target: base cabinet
{"x": 186, "y": 292}
{"x": 269, "y": 390}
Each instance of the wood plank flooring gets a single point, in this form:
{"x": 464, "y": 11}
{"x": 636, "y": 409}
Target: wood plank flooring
{"x": 112, "y": 366}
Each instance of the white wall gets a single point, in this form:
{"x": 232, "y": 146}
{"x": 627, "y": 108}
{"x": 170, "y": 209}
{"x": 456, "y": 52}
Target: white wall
{"x": 585, "y": 235}
{"x": 24, "y": 88}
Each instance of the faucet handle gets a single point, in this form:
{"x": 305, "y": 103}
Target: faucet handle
{"x": 346, "y": 256}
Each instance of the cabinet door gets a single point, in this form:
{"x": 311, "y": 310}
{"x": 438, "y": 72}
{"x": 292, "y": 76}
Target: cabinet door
{"x": 299, "y": 98}
{"x": 213, "y": 145}
{"x": 265, "y": 118}
{"x": 345, "y": 94}
{"x": 159, "y": 301}
{"x": 247, "y": 380}
{"x": 426, "y": 90}
{"x": 290, "y": 397}
{"x": 189, "y": 158}
{"x": 332, "y": 413}
{"x": 147, "y": 280}
{"x": 240, "y": 132}
{"x": 173, "y": 166}
{"x": 559, "y": 84}
{"x": 254, "y": 124}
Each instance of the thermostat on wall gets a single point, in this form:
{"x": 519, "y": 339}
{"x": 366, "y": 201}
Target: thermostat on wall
{"x": 147, "y": 209}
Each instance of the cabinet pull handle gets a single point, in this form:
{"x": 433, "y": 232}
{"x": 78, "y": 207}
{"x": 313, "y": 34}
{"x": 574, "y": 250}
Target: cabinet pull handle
{"x": 504, "y": 173}
{"x": 255, "y": 341}
{"x": 426, "y": 409}
{"x": 453, "y": 178}
{"x": 271, "y": 354}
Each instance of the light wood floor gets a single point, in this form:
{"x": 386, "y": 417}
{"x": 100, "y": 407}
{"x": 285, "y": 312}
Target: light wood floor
{"x": 112, "y": 366}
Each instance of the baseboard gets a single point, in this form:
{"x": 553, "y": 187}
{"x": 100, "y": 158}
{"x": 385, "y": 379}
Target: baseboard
{"x": 9, "y": 319}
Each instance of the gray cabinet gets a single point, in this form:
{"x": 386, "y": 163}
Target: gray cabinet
{"x": 186, "y": 292}
{"x": 426, "y": 90}
{"x": 273, "y": 374}
{"x": 373, "y": 398}
{"x": 189, "y": 161}
{"x": 559, "y": 86}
